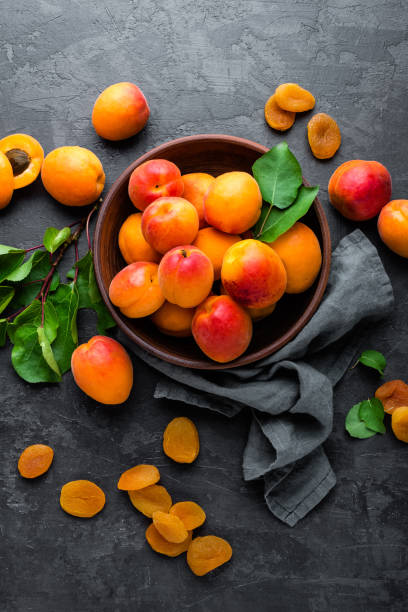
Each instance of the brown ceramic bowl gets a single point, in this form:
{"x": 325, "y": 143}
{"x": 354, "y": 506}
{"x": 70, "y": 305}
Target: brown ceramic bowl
{"x": 213, "y": 153}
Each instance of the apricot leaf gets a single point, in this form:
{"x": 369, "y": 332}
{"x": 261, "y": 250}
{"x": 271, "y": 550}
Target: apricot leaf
{"x": 273, "y": 222}
{"x": 278, "y": 175}
{"x": 89, "y": 295}
{"x": 47, "y": 352}
{"x": 3, "y": 330}
{"x": 372, "y": 413}
{"x": 54, "y": 238}
{"x": 355, "y": 426}
{"x": 32, "y": 316}
{"x": 9, "y": 262}
{"x": 373, "y": 359}
{"x": 28, "y": 359}
{"x": 27, "y": 291}
{"x": 65, "y": 301}
{"x": 6, "y": 295}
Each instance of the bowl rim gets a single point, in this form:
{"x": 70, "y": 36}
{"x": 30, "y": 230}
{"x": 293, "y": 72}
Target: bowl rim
{"x": 246, "y": 358}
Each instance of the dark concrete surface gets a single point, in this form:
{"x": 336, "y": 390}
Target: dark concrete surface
{"x": 205, "y": 66}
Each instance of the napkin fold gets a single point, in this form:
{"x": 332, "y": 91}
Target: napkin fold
{"x": 290, "y": 393}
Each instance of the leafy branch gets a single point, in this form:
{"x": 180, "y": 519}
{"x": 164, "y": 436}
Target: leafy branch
{"x": 42, "y": 325}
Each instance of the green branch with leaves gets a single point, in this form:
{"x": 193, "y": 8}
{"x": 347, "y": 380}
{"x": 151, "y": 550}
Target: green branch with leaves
{"x": 39, "y": 312}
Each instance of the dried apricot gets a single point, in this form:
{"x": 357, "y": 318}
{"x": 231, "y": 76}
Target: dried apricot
{"x": 170, "y": 527}
{"x": 207, "y": 553}
{"x": 393, "y": 394}
{"x": 292, "y": 97}
{"x": 35, "y": 460}
{"x": 399, "y": 423}
{"x": 276, "y": 117}
{"x": 162, "y": 546}
{"x": 150, "y": 499}
{"x": 190, "y": 513}
{"x": 82, "y": 498}
{"x": 180, "y": 440}
{"x": 139, "y": 477}
{"x": 324, "y": 136}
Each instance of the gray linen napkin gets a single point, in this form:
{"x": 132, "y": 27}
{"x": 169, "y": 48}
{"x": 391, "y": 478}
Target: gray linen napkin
{"x": 290, "y": 393}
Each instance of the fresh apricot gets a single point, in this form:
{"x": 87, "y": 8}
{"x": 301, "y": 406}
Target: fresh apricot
{"x": 120, "y": 111}
{"x": 393, "y": 226}
{"x": 103, "y": 370}
{"x": 35, "y": 460}
{"x": 399, "y": 423}
{"x": 186, "y": 276}
{"x": 196, "y": 185}
{"x": 359, "y": 189}
{"x": 214, "y": 243}
{"x": 253, "y": 274}
{"x": 276, "y": 117}
{"x": 299, "y": 249}
{"x": 173, "y": 320}
{"x": 136, "y": 291}
{"x": 6, "y": 181}
{"x": 233, "y": 202}
{"x": 132, "y": 243}
{"x": 25, "y": 155}
{"x": 73, "y": 176}
{"x": 257, "y": 314}
{"x": 221, "y": 328}
{"x": 155, "y": 178}
{"x": 169, "y": 222}
{"x": 291, "y": 97}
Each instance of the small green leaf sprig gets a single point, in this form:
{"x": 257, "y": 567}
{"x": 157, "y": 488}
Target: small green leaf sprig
{"x": 42, "y": 325}
{"x": 279, "y": 176}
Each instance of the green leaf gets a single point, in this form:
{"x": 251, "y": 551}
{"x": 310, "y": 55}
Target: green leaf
{"x": 40, "y": 268}
{"x": 28, "y": 359}
{"x": 9, "y": 262}
{"x": 372, "y": 413}
{"x": 65, "y": 301}
{"x": 7, "y": 249}
{"x": 278, "y": 175}
{"x": 3, "y": 330}
{"x": 6, "y": 295}
{"x": 373, "y": 359}
{"x": 47, "y": 351}
{"x": 24, "y": 269}
{"x": 273, "y": 223}
{"x": 55, "y": 281}
{"x": 54, "y": 238}
{"x": 355, "y": 426}
{"x": 32, "y": 316}
{"x": 89, "y": 295}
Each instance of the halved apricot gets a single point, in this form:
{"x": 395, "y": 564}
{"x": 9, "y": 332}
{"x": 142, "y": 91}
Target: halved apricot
{"x": 6, "y": 181}
{"x": 25, "y": 155}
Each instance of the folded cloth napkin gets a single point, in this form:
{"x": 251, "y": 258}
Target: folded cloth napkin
{"x": 290, "y": 393}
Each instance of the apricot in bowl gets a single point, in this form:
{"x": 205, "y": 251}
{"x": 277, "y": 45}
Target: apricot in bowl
{"x": 213, "y": 155}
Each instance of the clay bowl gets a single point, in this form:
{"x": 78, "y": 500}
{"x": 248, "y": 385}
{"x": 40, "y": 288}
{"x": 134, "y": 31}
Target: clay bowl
{"x": 213, "y": 153}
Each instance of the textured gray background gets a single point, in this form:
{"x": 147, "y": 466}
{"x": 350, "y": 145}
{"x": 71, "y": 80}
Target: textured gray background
{"x": 205, "y": 66}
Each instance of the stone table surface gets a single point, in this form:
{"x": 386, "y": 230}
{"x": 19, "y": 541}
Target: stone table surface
{"x": 205, "y": 66}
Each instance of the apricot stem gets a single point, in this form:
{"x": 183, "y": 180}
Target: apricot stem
{"x": 45, "y": 287}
